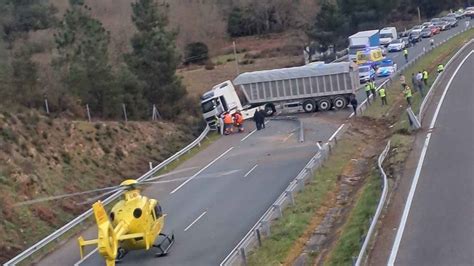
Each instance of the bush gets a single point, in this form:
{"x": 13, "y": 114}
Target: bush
{"x": 209, "y": 65}
{"x": 247, "y": 62}
{"x": 196, "y": 53}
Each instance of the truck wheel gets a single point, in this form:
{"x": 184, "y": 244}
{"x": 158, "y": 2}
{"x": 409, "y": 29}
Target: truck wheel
{"x": 340, "y": 102}
{"x": 309, "y": 106}
{"x": 324, "y": 105}
{"x": 269, "y": 109}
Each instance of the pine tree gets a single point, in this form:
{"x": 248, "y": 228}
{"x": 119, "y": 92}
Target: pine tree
{"x": 154, "y": 58}
{"x": 82, "y": 45}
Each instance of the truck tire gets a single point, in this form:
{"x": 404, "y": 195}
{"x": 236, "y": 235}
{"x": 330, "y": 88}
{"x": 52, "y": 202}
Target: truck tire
{"x": 340, "y": 102}
{"x": 269, "y": 109}
{"x": 309, "y": 106}
{"x": 324, "y": 105}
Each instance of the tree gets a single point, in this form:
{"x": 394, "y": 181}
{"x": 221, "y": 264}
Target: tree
{"x": 82, "y": 45}
{"x": 154, "y": 58}
{"x": 328, "y": 26}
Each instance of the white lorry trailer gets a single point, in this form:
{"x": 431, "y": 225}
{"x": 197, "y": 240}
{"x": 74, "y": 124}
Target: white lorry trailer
{"x": 387, "y": 35}
{"x": 361, "y": 41}
{"x": 311, "y": 87}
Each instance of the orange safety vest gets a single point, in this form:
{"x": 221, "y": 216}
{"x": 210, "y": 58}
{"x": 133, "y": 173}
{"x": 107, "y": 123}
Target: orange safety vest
{"x": 227, "y": 119}
{"x": 239, "y": 119}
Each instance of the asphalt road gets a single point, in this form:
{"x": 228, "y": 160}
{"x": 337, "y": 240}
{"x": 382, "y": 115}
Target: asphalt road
{"x": 439, "y": 228}
{"x": 220, "y": 193}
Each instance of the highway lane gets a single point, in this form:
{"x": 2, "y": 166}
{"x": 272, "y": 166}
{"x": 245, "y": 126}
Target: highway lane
{"x": 439, "y": 224}
{"x": 324, "y": 124}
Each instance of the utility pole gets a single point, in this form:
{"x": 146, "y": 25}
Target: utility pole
{"x": 236, "y": 59}
{"x": 419, "y": 15}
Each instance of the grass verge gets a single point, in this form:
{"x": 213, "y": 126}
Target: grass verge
{"x": 356, "y": 226}
{"x": 296, "y": 219}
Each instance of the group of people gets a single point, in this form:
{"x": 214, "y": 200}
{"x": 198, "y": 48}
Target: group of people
{"x": 236, "y": 120}
{"x": 419, "y": 81}
{"x": 231, "y": 121}
{"x": 371, "y": 89}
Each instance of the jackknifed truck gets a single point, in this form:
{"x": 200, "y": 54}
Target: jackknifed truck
{"x": 313, "y": 87}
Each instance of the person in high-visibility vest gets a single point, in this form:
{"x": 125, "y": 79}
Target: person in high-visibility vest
{"x": 407, "y": 94}
{"x": 367, "y": 88}
{"x": 373, "y": 88}
{"x": 228, "y": 122}
{"x": 383, "y": 96}
{"x": 405, "y": 54}
{"x": 425, "y": 77}
{"x": 440, "y": 68}
{"x": 239, "y": 121}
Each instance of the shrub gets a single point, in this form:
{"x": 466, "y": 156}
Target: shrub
{"x": 196, "y": 53}
{"x": 209, "y": 65}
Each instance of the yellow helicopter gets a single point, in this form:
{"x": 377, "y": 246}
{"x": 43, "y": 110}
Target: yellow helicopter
{"x": 135, "y": 222}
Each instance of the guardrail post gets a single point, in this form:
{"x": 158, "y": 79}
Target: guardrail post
{"x": 290, "y": 195}
{"x": 278, "y": 207}
{"x": 151, "y": 165}
{"x": 259, "y": 237}
{"x": 244, "y": 256}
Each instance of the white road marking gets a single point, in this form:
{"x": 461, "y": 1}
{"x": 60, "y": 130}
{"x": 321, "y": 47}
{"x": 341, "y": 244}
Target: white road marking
{"x": 335, "y": 133}
{"x": 86, "y": 257}
{"x": 288, "y": 137}
{"x": 195, "y": 221}
{"x": 202, "y": 170}
{"x": 253, "y": 131}
{"x": 250, "y": 171}
{"x": 411, "y": 194}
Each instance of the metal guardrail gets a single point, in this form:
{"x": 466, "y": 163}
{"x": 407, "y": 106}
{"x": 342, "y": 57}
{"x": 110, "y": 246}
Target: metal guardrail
{"x": 380, "y": 206}
{"x": 238, "y": 256}
{"x": 79, "y": 219}
{"x": 429, "y": 95}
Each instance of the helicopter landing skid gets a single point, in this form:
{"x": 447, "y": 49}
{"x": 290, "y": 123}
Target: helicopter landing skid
{"x": 165, "y": 244}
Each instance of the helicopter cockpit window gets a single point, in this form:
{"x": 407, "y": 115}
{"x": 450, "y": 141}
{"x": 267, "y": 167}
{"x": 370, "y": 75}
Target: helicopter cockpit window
{"x": 158, "y": 211}
{"x": 112, "y": 216}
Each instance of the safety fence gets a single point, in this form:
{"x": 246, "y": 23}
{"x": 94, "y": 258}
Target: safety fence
{"x": 383, "y": 197}
{"x": 238, "y": 256}
{"x": 81, "y": 218}
{"x": 430, "y": 93}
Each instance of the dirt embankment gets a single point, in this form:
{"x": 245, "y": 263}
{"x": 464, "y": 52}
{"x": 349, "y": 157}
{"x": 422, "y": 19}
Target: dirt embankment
{"x": 40, "y": 156}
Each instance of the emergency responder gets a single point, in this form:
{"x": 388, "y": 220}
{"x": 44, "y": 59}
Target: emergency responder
{"x": 228, "y": 123}
{"x": 239, "y": 121}
{"x": 425, "y": 77}
{"x": 407, "y": 94}
{"x": 383, "y": 96}
{"x": 405, "y": 54}
{"x": 367, "y": 88}
{"x": 440, "y": 68}
{"x": 373, "y": 88}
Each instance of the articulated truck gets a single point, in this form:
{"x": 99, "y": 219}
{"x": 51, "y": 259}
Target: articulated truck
{"x": 313, "y": 87}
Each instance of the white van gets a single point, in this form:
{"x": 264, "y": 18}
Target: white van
{"x": 387, "y": 35}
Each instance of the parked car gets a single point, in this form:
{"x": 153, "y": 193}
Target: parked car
{"x": 443, "y": 25}
{"x": 435, "y": 20}
{"x": 469, "y": 12}
{"x": 386, "y": 68}
{"x": 459, "y": 14}
{"x": 451, "y": 15}
{"x": 404, "y": 33}
{"x": 406, "y": 41}
{"x": 426, "y": 33}
{"x": 415, "y": 37}
{"x": 452, "y": 21}
{"x": 417, "y": 28}
{"x": 396, "y": 45}
{"x": 427, "y": 24}
{"x": 366, "y": 73}
{"x": 435, "y": 30}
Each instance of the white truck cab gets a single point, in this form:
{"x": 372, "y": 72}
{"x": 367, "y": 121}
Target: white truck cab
{"x": 221, "y": 98}
{"x": 387, "y": 35}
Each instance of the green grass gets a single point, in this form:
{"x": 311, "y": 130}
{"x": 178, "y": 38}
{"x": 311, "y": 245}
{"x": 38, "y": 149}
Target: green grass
{"x": 295, "y": 220}
{"x": 224, "y": 59}
{"x": 430, "y": 61}
{"x": 357, "y": 224}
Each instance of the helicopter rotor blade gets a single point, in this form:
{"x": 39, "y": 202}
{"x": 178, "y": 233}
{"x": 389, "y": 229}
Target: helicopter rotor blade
{"x": 171, "y": 173}
{"x": 63, "y": 196}
{"x": 98, "y": 197}
{"x": 206, "y": 176}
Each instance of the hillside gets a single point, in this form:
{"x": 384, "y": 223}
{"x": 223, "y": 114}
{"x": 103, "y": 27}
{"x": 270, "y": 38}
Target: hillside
{"x": 40, "y": 156}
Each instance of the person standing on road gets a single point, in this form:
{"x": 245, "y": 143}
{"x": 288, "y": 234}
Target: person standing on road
{"x": 383, "y": 96}
{"x": 425, "y": 77}
{"x": 367, "y": 88}
{"x": 257, "y": 117}
{"x": 407, "y": 94}
{"x": 354, "y": 103}
{"x": 228, "y": 123}
{"x": 405, "y": 54}
{"x": 440, "y": 68}
{"x": 263, "y": 115}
